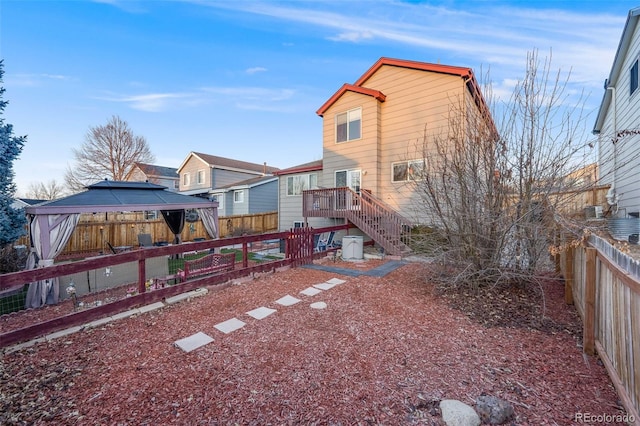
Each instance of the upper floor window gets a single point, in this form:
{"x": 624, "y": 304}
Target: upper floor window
{"x": 633, "y": 74}
{"x": 176, "y": 184}
{"x": 348, "y": 125}
{"x": 238, "y": 196}
{"x": 404, "y": 171}
{"x": 298, "y": 183}
{"x": 186, "y": 179}
{"x": 200, "y": 177}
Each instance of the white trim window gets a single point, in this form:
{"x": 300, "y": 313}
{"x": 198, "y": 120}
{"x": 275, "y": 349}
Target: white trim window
{"x": 186, "y": 179}
{"x": 403, "y": 171}
{"x": 298, "y": 183}
{"x": 200, "y": 177}
{"x": 633, "y": 77}
{"x": 150, "y": 214}
{"x": 349, "y": 125}
{"x": 238, "y": 196}
{"x": 298, "y": 224}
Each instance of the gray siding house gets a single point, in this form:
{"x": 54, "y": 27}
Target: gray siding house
{"x": 618, "y": 124}
{"x": 160, "y": 175}
{"x": 251, "y": 196}
{"x": 291, "y": 183}
{"x": 201, "y": 173}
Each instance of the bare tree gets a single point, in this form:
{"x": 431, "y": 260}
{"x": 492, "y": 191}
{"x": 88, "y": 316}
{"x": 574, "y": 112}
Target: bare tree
{"x": 493, "y": 194}
{"x": 50, "y": 190}
{"x": 108, "y": 152}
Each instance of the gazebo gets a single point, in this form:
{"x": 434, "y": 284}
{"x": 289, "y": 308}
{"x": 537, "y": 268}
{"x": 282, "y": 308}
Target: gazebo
{"x": 51, "y": 223}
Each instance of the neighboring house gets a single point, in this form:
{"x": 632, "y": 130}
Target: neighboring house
{"x": 618, "y": 123}
{"x": 202, "y": 173}
{"x": 160, "y": 175}
{"x": 255, "y": 195}
{"x": 373, "y": 133}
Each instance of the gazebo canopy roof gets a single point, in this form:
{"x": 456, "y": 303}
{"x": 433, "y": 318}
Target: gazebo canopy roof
{"x": 109, "y": 196}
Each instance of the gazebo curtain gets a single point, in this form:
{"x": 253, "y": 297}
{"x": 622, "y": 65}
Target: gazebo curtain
{"x": 175, "y": 221}
{"x": 209, "y": 219}
{"x": 49, "y": 234}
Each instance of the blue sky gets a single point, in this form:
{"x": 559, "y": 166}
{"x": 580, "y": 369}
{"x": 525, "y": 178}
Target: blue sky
{"x": 243, "y": 79}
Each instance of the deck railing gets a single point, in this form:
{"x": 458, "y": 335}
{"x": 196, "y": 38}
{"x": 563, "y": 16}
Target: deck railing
{"x": 376, "y": 219}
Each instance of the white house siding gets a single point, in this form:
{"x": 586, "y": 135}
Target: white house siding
{"x": 626, "y": 115}
{"x": 290, "y": 208}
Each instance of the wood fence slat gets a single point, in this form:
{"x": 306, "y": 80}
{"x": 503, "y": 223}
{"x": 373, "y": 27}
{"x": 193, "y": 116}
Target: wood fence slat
{"x": 589, "y": 302}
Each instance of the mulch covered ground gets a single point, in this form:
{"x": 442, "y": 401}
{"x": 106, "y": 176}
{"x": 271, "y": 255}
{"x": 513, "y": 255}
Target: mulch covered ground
{"x": 384, "y": 351}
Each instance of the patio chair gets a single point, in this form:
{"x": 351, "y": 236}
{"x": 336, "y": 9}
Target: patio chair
{"x": 326, "y": 243}
{"x": 145, "y": 240}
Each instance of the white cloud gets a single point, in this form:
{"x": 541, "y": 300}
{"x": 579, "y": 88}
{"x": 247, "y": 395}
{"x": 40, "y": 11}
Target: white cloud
{"x": 34, "y": 80}
{"x": 156, "y": 102}
{"x": 255, "y": 70}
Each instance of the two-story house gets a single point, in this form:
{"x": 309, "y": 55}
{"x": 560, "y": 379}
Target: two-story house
{"x": 160, "y": 175}
{"x": 373, "y": 134}
{"x": 618, "y": 124}
{"x": 239, "y": 187}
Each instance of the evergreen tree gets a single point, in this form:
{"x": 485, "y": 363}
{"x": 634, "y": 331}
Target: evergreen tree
{"x": 12, "y": 221}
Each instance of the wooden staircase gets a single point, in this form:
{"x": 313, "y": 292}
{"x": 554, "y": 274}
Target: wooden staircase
{"x": 371, "y": 215}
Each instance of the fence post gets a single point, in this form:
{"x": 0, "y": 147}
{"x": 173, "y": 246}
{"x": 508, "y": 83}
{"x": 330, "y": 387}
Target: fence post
{"x": 568, "y": 276}
{"x": 141, "y": 276}
{"x": 588, "y": 334}
{"x": 245, "y": 255}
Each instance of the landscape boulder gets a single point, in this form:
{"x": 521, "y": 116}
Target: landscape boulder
{"x": 493, "y": 410}
{"x": 456, "y": 413}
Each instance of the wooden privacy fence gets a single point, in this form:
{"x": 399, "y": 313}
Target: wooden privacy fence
{"x": 94, "y": 231}
{"x": 604, "y": 285}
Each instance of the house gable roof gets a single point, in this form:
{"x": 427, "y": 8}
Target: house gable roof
{"x": 248, "y": 183}
{"x": 358, "y": 87}
{"x": 312, "y": 166}
{"x": 616, "y": 68}
{"x": 350, "y": 88}
{"x": 229, "y": 164}
{"x": 158, "y": 171}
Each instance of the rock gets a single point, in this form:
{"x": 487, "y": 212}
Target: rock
{"x": 456, "y": 413}
{"x": 494, "y": 410}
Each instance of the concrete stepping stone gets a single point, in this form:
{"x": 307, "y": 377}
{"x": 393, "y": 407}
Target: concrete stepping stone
{"x": 287, "y": 300}
{"x": 324, "y": 286}
{"x": 318, "y": 305}
{"x": 261, "y": 312}
{"x": 230, "y": 325}
{"x": 310, "y": 291}
{"x": 193, "y": 342}
{"x": 336, "y": 281}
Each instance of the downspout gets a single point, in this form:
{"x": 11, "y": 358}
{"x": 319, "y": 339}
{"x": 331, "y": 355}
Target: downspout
{"x": 615, "y": 135}
{"x": 612, "y": 196}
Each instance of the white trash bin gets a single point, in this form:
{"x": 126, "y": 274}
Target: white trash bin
{"x": 352, "y": 248}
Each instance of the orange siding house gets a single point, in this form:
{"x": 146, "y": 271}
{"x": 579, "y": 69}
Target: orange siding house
{"x": 373, "y": 133}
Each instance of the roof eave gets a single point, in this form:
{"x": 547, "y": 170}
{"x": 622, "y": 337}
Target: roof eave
{"x": 614, "y": 74}
{"x": 378, "y": 95}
